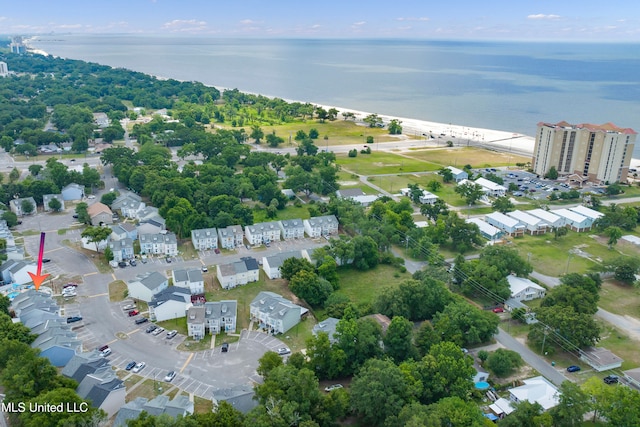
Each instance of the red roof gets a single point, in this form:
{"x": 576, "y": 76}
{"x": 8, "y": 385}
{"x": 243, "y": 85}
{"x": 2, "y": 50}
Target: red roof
{"x": 607, "y": 127}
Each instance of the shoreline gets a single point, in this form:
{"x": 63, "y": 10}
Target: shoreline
{"x": 498, "y": 140}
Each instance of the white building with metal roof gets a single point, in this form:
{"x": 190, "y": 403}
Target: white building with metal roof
{"x": 533, "y": 224}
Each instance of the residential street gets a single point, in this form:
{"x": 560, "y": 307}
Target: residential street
{"x": 536, "y": 362}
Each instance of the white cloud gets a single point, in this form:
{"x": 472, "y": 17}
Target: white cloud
{"x": 316, "y": 26}
{"x": 359, "y": 23}
{"x": 420, "y": 19}
{"x": 248, "y": 22}
{"x": 543, "y": 16}
{"x": 185, "y": 25}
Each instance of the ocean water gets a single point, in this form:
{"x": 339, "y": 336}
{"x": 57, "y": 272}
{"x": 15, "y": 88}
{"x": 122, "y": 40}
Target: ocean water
{"x": 508, "y": 86}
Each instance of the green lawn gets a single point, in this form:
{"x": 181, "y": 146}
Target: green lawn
{"x": 460, "y": 156}
{"x": 620, "y": 299}
{"x": 290, "y": 212}
{"x": 363, "y": 286}
{"x": 383, "y": 163}
{"x": 620, "y": 344}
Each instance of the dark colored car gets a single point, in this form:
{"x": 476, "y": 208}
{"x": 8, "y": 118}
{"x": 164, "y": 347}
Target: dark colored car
{"x": 216, "y": 250}
{"x": 73, "y": 319}
{"x": 46, "y": 260}
{"x": 133, "y": 313}
{"x": 122, "y": 264}
{"x": 150, "y": 329}
{"x": 225, "y": 347}
{"x": 611, "y": 379}
{"x": 573, "y": 368}
{"x": 141, "y": 320}
{"x": 130, "y": 365}
{"x": 75, "y": 216}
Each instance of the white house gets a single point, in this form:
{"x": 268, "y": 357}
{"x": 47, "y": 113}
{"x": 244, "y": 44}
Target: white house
{"x": 195, "y": 322}
{"x": 221, "y": 316}
{"x": 550, "y": 218}
{"x": 292, "y": 228}
{"x": 204, "y": 238}
{"x": 190, "y": 279}
{"x": 73, "y": 191}
{"x": 145, "y": 286}
{"x": 46, "y": 198}
{"x": 487, "y": 230}
{"x": 14, "y": 271}
{"x": 587, "y": 212}
{"x": 230, "y": 237}
{"x": 121, "y": 249}
{"x": 274, "y": 313}
{"x": 129, "y": 204}
{"x": 321, "y": 226}
{"x": 573, "y": 220}
{"x": 533, "y": 224}
{"x": 458, "y": 174}
{"x": 535, "y": 390}
{"x": 428, "y": 198}
{"x": 523, "y": 289}
{"x": 491, "y": 188}
{"x": 124, "y": 230}
{"x": 262, "y": 232}
{"x": 271, "y": 264}
{"x": 505, "y": 223}
{"x": 238, "y": 273}
{"x": 16, "y": 206}
{"x": 170, "y": 303}
{"x": 159, "y": 244}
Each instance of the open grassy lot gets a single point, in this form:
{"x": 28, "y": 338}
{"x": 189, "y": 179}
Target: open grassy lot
{"x": 363, "y": 286}
{"x": 202, "y": 406}
{"x": 383, "y": 163}
{"x": 460, "y": 156}
{"x": 553, "y": 257}
{"x": 620, "y": 344}
{"x": 290, "y": 212}
{"x": 117, "y": 291}
{"x": 620, "y": 299}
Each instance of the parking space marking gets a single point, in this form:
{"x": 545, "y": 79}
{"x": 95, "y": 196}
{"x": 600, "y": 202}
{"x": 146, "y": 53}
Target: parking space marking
{"x": 90, "y": 274}
{"x": 99, "y": 295}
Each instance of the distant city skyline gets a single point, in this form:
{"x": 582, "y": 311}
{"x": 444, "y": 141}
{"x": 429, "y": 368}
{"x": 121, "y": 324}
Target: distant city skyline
{"x": 566, "y": 20}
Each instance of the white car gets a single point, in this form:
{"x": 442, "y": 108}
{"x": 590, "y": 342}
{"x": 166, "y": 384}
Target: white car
{"x": 139, "y": 367}
{"x": 91, "y": 196}
{"x": 333, "y": 387}
{"x": 157, "y": 331}
{"x": 283, "y": 350}
{"x": 170, "y": 376}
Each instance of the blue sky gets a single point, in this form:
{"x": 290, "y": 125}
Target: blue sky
{"x": 571, "y": 20}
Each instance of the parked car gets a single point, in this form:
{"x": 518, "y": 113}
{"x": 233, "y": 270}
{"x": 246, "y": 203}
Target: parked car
{"x": 122, "y": 264}
{"x": 225, "y": 347}
{"x": 105, "y": 351}
{"x": 150, "y": 328}
{"x": 170, "y": 376}
{"x": 157, "y": 332}
{"x": 128, "y": 307}
{"x": 204, "y": 269}
{"x": 498, "y": 310}
{"x": 168, "y": 259}
{"x": 75, "y": 216}
{"x": 91, "y": 196}
{"x": 573, "y": 368}
{"x": 73, "y": 319}
{"x": 70, "y": 285}
{"x": 283, "y": 350}
{"x": 141, "y": 320}
{"x": 44, "y": 260}
{"x": 132, "y": 263}
{"x": 139, "y": 367}
{"x": 611, "y": 379}
{"x": 171, "y": 334}
{"x": 133, "y": 313}
{"x": 130, "y": 365}
{"x": 216, "y": 250}
{"x": 333, "y": 387}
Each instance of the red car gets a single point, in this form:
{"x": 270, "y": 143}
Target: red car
{"x": 133, "y": 313}
{"x": 498, "y": 310}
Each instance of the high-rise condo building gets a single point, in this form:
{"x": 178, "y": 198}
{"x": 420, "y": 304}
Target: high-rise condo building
{"x": 597, "y": 153}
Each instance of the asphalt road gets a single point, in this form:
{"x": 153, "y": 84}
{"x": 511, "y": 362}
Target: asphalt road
{"x": 536, "y": 362}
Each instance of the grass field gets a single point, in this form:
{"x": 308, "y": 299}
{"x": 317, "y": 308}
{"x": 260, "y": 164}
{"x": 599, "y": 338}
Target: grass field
{"x": 383, "y": 163}
{"x": 290, "y": 212}
{"x": 117, "y": 291}
{"x": 620, "y": 299}
{"x": 620, "y": 344}
{"x": 363, "y": 286}
{"x": 460, "y": 156}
